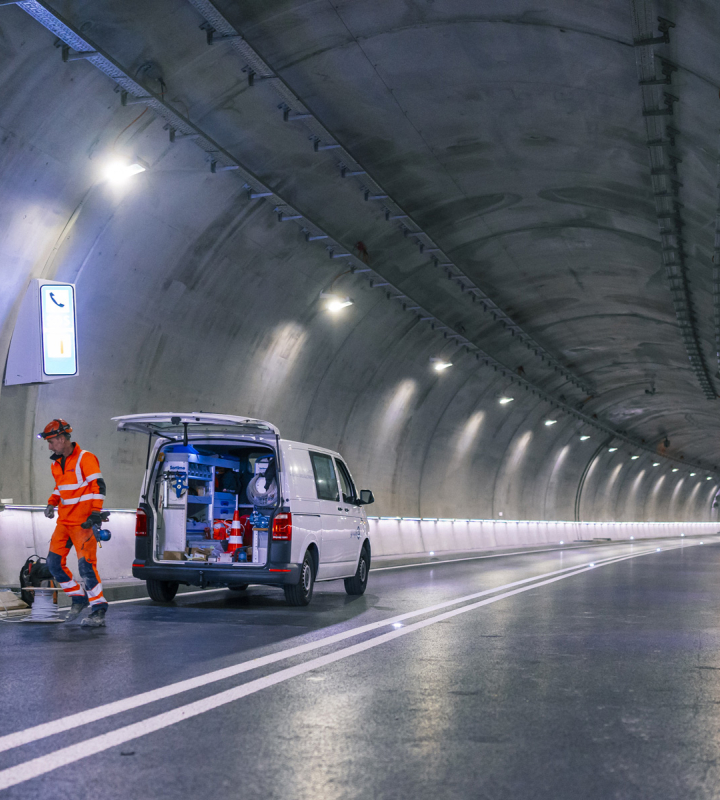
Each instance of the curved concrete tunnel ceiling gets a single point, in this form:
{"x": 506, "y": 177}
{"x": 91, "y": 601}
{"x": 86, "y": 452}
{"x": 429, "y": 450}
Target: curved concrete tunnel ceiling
{"x": 476, "y": 180}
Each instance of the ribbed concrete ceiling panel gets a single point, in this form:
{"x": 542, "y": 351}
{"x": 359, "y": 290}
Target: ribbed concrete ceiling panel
{"x": 506, "y": 161}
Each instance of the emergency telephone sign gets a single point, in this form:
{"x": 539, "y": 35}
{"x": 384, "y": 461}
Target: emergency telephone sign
{"x": 57, "y": 316}
{"x": 44, "y": 345}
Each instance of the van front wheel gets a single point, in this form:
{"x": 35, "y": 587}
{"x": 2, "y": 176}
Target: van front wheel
{"x": 161, "y": 591}
{"x": 301, "y": 593}
{"x": 356, "y": 585}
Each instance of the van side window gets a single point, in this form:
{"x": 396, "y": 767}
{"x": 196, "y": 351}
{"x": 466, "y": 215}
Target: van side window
{"x": 325, "y": 480}
{"x": 346, "y": 484}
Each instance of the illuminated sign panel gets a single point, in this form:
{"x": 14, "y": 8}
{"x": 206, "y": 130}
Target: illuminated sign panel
{"x": 59, "y": 340}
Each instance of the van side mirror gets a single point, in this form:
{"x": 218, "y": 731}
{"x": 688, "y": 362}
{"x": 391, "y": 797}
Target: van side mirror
{"x": 366, "y": 497}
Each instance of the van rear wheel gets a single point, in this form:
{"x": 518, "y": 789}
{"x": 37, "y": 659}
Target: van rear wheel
{"x": 161, "y": 591}
{"x": 301, "y": 593}
{"x": 356, "y": 585}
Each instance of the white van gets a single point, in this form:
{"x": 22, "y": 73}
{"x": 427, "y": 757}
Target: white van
{"x": 301, "y": 518}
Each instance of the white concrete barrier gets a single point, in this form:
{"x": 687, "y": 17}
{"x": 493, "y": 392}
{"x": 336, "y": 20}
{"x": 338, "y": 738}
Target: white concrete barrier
{"x": 397, "y": 535}
{"x": 25, "y": 531}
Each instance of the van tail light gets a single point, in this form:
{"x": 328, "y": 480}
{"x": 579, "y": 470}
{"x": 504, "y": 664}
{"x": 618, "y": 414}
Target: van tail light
{"x": 282, "y": 527}
{"x": 140, "y": 523}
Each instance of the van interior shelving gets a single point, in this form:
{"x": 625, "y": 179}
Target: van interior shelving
{"x": 196, "y": 491}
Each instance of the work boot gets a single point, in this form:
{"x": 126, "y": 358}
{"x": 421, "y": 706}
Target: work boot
{"x": 75, "y": 610}
{"x": 95, "y": 620}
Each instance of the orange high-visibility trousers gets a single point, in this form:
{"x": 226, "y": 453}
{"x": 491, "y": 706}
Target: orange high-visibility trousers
{"x": 63, "y": 539}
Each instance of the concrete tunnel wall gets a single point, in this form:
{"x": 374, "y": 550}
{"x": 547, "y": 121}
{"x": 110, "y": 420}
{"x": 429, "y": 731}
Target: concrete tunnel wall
{"x": 192, "y": 298}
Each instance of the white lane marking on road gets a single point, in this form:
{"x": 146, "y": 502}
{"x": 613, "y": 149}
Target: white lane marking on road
{"x": 399, "y": 566}
{"x": 67, "y": 755}
{"x": 178, "y": 596}
{"x": 491, "y": 555}
{"x": 18, "y": 738}
{"x": 432, "y": 563}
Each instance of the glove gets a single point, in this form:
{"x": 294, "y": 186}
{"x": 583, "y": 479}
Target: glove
{"x": 49, "y": 511}
{"x": 93, "y": 519}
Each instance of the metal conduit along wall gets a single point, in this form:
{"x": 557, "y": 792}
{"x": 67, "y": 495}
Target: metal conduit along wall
{"x": 193, "y": 297}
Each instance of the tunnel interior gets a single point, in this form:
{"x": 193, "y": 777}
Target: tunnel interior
{"x": 475, "y": 179}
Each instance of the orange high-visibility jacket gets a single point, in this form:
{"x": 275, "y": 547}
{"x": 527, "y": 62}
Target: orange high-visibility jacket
{"x": 76, "y": 486}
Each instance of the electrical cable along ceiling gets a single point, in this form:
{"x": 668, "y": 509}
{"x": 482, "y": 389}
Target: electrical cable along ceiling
{"x": 528, "y": 358}
{"x": 657, "y": 109}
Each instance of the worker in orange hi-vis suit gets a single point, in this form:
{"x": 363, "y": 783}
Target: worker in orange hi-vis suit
{"x": 79, "y": 493}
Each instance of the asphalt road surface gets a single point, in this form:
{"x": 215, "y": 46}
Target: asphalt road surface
{"x": 588, "y": 673}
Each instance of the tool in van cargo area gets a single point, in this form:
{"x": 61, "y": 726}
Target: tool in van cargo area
{"x": 221, "y": 529}
{"x": 178, "y": 480}
{"x": 262, "y": 491}
{"x": 258, "y": 520}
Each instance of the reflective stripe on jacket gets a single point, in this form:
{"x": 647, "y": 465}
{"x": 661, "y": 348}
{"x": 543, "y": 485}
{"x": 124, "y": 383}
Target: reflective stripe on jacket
{"x": 76, "y": 486}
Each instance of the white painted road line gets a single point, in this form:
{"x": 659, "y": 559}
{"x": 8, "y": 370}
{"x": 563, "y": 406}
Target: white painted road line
{"x": 177, "y": 596}
{"x": 399, "y": 566}
{"x": 41, "y": 765}
{"x": 497, "y": 555}
{"x": 12, "y": 740}
{"x": 566, "y": 548}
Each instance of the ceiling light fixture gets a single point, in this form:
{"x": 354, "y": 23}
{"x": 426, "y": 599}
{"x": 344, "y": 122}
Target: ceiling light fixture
{"x": 656, "y": 463}
{"x": 584, "y": 438}
{"x": 505, "y": 400}
{"x": 612, "y": 449}
{"x": 439, "y": 365}
{"x": 634, "y": 458}
{"x": 334, "y": 302}
{"x": 693, "y": 474}
{"x": 675, "y": 469}
{"x": 550, "y": 422}
{"x": 118, "y": 170}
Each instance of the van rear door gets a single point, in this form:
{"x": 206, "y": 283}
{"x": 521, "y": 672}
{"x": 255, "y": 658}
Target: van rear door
{"x": 172, "y": 424}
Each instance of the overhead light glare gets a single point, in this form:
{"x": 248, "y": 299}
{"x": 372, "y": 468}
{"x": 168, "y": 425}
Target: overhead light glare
{"x": 656, "y": 463}
{"x": 439, "y": 365}
{"x": 634, "y": 458}
{"x": 550, "y": 422}
{"x": 675, "y": 469}
{"x": 612, "y": 449}
{"x": 693, "y": 474}
{"x": 334, "y": 302}
{"x": 505, "y": 400}
{"x": 118, "y": 171}
{"x": 584, "y": 438}
{"x": 709, "y": 478}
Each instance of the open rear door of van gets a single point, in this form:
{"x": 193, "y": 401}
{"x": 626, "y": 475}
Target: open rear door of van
{"x": 171, "y": 425}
